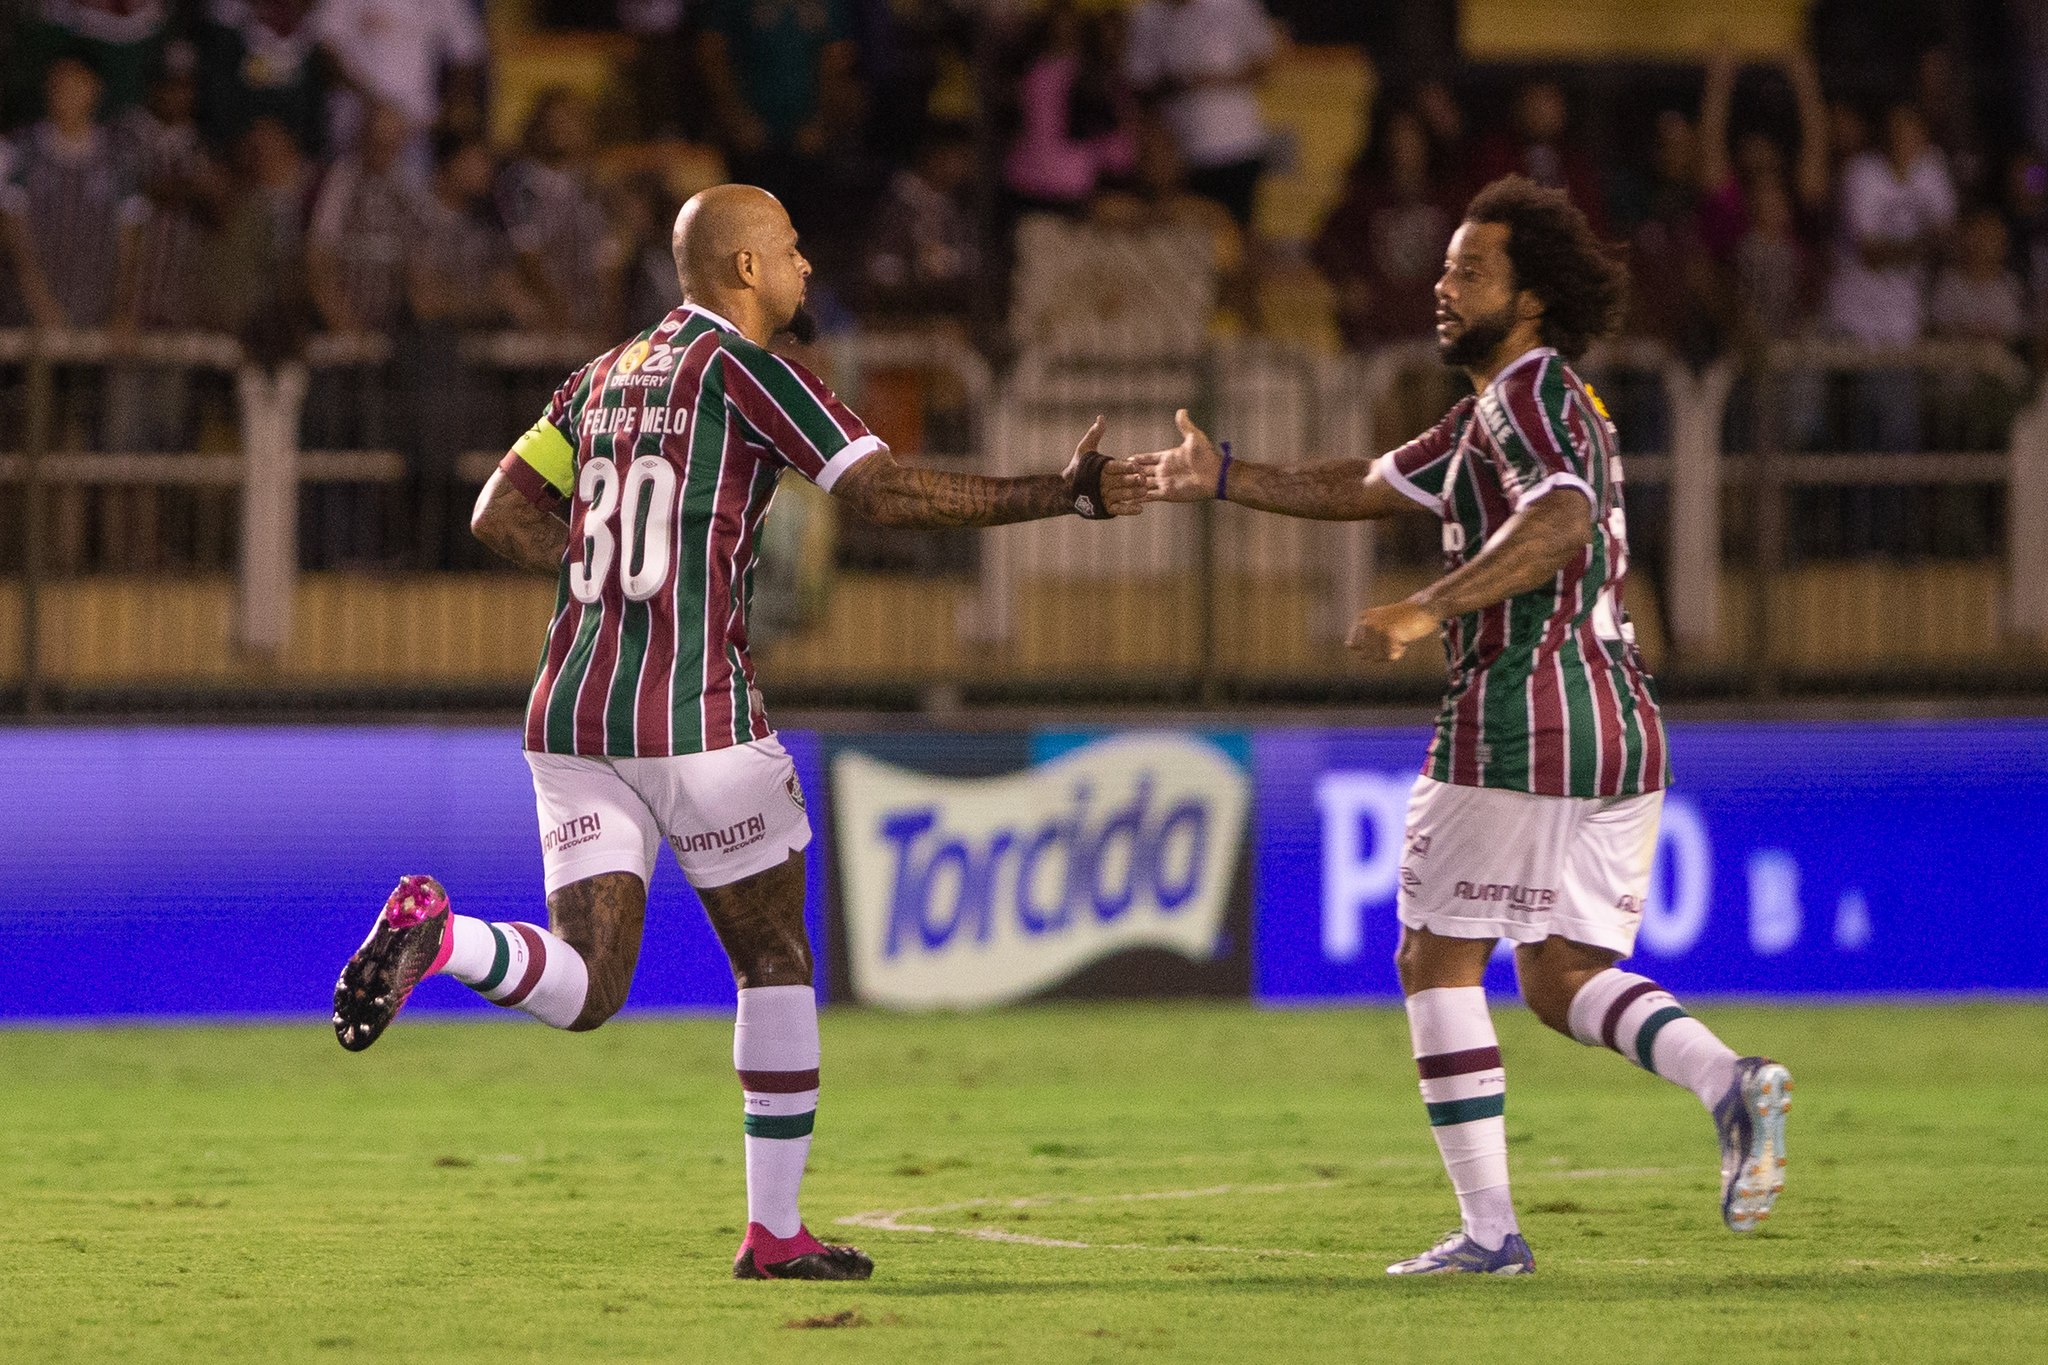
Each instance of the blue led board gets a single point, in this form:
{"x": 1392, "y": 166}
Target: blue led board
{"x": 205, "y": 871}
{"x": 1793, "y": 860}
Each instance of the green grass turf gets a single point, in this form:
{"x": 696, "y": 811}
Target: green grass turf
{"x": 498, "y": 1192}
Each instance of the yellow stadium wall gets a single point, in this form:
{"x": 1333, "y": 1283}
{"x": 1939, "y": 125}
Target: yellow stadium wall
{"x": 486, "y": 629}
{"x": 1646, "y": 30}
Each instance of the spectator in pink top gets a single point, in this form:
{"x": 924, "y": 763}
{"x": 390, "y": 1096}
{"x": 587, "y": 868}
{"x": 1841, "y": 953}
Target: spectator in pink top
{"x": 1734, "y": 173}
{"x": 1078, "y": 123}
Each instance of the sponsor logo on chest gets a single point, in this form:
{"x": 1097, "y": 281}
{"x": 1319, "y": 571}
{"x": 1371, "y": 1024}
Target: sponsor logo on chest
{"x": 643, "y": 365}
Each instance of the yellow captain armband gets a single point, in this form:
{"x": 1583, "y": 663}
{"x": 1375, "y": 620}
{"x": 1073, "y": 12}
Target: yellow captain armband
{"x": 550, "y": 455}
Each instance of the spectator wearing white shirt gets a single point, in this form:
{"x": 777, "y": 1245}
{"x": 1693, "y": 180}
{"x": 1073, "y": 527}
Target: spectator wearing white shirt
{"x": 395, "y": 52}
{"x": 1202, "y": 60}
{"x": 1896, "y": 207}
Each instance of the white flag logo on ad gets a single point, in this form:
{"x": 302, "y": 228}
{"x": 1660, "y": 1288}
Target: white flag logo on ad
{"x": 964, "y": 892}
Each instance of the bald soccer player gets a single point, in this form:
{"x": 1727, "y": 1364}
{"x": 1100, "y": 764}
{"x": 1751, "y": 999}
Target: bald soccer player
{"x": 642, "y": 490}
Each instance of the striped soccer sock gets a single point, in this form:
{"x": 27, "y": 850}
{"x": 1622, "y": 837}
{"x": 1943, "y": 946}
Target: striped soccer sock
{"x": 775, "y": 1050}
{"x": 1645, "y": 1023}
{"x": 519, "y": 966}
{"x": 1465, "y": 1091}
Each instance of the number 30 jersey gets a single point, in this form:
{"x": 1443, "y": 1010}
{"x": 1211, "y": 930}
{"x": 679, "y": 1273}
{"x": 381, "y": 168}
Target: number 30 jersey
{"x": 1548, "y": 692}
{"x": 663, "y": 454}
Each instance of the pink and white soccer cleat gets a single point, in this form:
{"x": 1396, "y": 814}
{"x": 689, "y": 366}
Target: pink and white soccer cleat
{"x": 409, "y": 943}
{"x": 764, "y": 1256}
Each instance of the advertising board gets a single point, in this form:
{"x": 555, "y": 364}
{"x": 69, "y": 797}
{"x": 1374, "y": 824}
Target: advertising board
{"x": 164, "y": 871}
{"x": 207, "y": 871}
{"x": 1792, "y": 859}
{"x": 1116, "y": 855}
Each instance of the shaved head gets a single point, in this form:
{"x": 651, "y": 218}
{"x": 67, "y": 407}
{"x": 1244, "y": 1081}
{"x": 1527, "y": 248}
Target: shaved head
{"x": 736, "y": 254}
{"x": 719, "y": 223}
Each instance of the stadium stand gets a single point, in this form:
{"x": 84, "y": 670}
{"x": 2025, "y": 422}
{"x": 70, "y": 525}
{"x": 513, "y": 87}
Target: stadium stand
{"x": 1807, "y": 510}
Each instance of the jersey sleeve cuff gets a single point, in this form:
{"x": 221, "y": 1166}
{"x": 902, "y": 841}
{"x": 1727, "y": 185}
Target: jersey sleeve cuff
{"x": 1406, "y": 487}
{"x": 847, "y": 459}
{"x": 1558, "y": 480}
{"x": 532, "y": 484}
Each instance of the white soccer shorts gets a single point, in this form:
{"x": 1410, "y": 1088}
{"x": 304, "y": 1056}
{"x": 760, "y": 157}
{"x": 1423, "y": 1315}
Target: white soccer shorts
{"x": 727, "y": 814}
{"x": 1481, "y": 863}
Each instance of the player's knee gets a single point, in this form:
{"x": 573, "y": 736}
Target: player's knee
{"x": 1411, "y": 956}
{"x": 1548, "y": 994}
{"x": 1551, "y": 1006}
{"x": 778, "y": 964}
{"x": 600, "y": 1003}
{"x": 1407, "y": 966}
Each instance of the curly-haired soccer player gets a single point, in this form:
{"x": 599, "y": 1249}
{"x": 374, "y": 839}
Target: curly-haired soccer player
{"x": 1535, "y": 817}
{"x": 642, "y": 491}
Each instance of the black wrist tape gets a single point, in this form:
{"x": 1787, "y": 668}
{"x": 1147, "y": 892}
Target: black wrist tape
{"x": 1086, "y": 488}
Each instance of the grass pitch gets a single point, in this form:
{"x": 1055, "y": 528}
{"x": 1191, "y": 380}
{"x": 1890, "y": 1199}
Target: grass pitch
{"x": 498, "y": 1192}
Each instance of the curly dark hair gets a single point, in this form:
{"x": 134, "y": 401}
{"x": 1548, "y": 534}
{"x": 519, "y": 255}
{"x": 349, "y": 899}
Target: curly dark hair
{"x": 1555, "y": 254}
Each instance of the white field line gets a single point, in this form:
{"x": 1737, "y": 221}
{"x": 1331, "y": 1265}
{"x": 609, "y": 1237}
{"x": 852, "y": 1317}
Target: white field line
{"x": 891, "y": 1220}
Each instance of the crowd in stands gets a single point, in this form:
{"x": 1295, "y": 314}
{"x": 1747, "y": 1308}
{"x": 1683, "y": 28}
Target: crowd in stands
{"x": 279, "y": 169}
{"x": 321, "y": 165}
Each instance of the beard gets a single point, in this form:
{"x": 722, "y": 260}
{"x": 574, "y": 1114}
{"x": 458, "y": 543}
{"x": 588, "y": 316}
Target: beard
{"x": 1479, "y": 341}
{"x": 802, "y": 325}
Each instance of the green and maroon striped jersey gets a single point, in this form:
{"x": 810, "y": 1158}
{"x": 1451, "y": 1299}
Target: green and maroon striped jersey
{"x": 1548, "y": 692}
{"x": 663, "y": 454}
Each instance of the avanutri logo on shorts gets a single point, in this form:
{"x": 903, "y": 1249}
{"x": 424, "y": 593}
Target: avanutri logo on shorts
{"x": 568, "y": 834}
{"x": 736, "y": 835}
{"x": 1539, "y": 896}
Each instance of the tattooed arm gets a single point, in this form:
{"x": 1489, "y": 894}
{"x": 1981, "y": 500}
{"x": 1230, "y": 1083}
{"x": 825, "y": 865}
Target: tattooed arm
{"x": 516, "y": 529}
{"x": 884, "y": 489}
{"x": 1335, "y": 490}
{"x": 1527, "y": 552}
{"x": 888, "y": 490}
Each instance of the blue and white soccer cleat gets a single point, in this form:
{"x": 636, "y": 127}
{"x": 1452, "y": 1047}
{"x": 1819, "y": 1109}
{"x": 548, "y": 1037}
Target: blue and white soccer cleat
{"x": 1458, "y": 1254}
{"x": 1751, "y": 1121}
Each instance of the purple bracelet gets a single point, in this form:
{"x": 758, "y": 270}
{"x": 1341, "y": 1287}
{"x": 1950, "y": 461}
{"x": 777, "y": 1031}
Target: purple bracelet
{"x": 1223, "y": 475}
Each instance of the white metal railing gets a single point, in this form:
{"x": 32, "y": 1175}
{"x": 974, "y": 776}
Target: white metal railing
{"x": 271, "y": 466}
{"x": 1305, "y": 407}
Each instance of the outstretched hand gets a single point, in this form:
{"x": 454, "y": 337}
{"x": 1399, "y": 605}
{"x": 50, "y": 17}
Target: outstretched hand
{"x": 1186, "y": 472}
{"x": 1389, "y": 630}
{"x": 1123, "y": 487}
